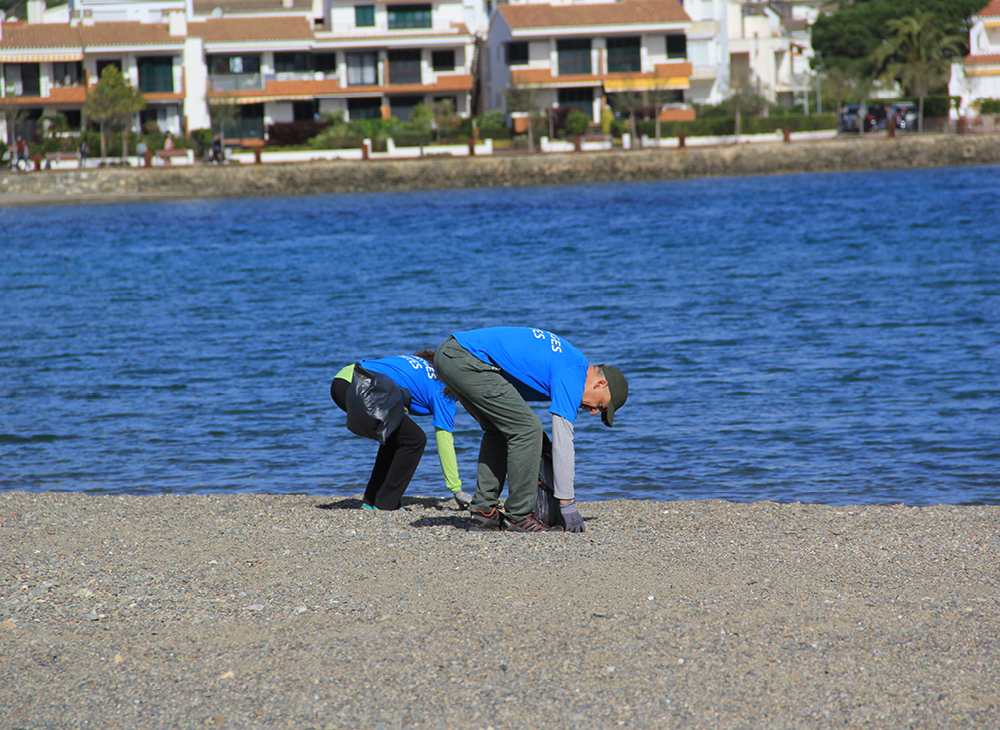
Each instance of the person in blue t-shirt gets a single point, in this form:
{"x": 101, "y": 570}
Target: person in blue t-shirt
{"x": 493, "y": 371}
{"x": 398, "y": 458}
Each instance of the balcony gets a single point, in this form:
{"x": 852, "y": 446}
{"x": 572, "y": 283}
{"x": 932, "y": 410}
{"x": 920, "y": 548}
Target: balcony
{"x": 236, "y": 82}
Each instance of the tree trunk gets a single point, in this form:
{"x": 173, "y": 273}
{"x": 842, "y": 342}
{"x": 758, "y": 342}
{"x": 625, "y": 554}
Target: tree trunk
{"x": 104, "y": 146}
{"x": 631, "y": 123}
{"x": 738, "y": 124}
{"x": 920, "y": 116}
{"x": 657, "y": 128}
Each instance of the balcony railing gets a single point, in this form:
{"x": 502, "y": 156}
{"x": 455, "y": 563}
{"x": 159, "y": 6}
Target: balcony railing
{"x": 236, "y": 82}
{"x": 300, "y": 76}
{"x": 19, "y": 88}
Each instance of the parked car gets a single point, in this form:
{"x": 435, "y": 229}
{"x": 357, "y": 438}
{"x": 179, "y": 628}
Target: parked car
{"x": 876, "y": 118}
{"x": 849, "y": 118}
{"x": 905, "y": 115}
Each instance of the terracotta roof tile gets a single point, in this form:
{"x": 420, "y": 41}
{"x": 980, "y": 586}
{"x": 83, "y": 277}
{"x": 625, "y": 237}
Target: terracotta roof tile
{"x": 630, "y": 12}
{"x": 984, "y": 59}
{"x": 990, "y": 11}
{"x": 249, "y": 7}
{"x": 39, "y": 35}
{"x": 59, "y": 35}
{"x": 275, "y": 28}
{"x": 129, "y": 34}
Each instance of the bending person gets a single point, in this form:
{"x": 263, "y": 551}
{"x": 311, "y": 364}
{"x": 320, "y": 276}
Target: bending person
{"x": 493, "y": 371}
{"x": 399, "y": 456}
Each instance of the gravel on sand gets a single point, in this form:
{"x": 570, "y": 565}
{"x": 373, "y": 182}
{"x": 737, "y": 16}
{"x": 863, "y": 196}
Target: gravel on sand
{"x": 247, "y": 611}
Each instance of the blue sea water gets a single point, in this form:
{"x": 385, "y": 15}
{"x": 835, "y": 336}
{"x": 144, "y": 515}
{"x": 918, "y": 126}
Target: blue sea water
{"x": 827, "y": 338}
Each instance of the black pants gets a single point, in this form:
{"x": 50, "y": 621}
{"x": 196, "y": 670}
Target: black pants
{"x": 396, "y": 461}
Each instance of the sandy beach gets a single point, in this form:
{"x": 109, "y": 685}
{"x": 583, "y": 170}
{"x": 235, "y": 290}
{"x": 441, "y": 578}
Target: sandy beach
{"x": 246, "y": 611}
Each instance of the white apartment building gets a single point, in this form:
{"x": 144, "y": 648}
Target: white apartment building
{"x": 978, "y": 76}
{"x": 275, "y": 60}
{"x": 583, "y": 54}
{"x": 761, "y": 44}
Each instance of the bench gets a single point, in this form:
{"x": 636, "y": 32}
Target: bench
{"x": 51, "y": 157}
{"x": 165, "y": 155}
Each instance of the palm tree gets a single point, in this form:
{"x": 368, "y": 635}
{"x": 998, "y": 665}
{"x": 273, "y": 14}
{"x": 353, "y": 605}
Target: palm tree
{"x": 918, "y": 54}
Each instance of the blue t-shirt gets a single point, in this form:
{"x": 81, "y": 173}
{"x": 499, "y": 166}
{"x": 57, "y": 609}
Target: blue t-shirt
{"x": 426, "y": 390}
{"x": 541, "y": 365}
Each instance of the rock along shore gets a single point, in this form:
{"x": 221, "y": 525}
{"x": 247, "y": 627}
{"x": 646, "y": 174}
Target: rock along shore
{"x": 264, "y": 611}
{"x": 509, "y": 170}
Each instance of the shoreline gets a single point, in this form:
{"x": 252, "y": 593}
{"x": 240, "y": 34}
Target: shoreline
{"x": 495, "y": 171}
{"x": 247, "y": 610}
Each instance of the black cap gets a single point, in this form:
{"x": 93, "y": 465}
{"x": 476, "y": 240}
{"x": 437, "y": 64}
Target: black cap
{"x": 619, "y": 392}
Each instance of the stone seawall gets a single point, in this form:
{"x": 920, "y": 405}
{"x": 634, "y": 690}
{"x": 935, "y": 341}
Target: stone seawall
{"x": 434, "y": 173}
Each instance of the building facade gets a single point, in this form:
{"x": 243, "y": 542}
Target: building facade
{"x": 978, "y": 76}
{"x": 271, "y": 60}
{"x": 587, "y": 54}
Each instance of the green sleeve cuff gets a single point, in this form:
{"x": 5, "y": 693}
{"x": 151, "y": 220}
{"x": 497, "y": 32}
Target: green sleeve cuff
{"x": 449, "y": 464}
{"x": 346, "y": 373}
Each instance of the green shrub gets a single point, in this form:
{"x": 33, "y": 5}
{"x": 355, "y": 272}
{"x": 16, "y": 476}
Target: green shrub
{"x": 989, "y": 106}
{"x": 724, "y": 126}
{"x": 937, "y": 106}
{"x": 491, "y": 120}
{"x": 3, "y": 149}
{"x": 577, "y": 123}
{"x": 412, "y": 136}
{"x": 201, "y": 140}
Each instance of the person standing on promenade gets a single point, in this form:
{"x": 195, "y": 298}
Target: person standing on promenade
{"x": 400, "y": 451}
{"x": 493, "y": 371}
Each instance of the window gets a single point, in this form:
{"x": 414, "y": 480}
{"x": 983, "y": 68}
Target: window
{"x": 67, "y": 74}
{"x": 229, "y": 65}
{"x": 405, "y": 17}
{"x": 402, "y": 106}
{"x": 624, "y": 55}
{"x": 364, "y": 16}
{"x": 404, "y": 67}
{"x": 304, "y": 111}
{"x": 583, "y": 98}
{"x": 325, "y": 62}
{"x": 361, "y": 69}
{"x": 364, "y": 108}
{"x": 443, "y": 60}
{"x": 292, "y": 62}
{"x": 574, "y": 56}
{"x": 517, "y": 54}
{"x": 101, "y": 65}
{"x": 156, "y": 74}
{"x": 250, "y": 123}
{"x": 677, "y": 46}
{"x": 24, "y": 79}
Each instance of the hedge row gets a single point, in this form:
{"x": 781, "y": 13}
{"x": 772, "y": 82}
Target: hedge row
{"x": 726, "y": 126}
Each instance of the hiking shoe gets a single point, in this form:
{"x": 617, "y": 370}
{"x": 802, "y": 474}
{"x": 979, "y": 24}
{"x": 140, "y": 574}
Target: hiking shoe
{"x": 485, "y": 521}
{"x": 531, "y": 523}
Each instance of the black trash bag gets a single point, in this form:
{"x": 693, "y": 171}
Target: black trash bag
{"x": 546, "y": 505}
{"x": 375, "y": 405}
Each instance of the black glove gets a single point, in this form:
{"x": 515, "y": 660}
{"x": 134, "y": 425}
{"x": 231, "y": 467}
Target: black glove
{"x": 571, "y": 516}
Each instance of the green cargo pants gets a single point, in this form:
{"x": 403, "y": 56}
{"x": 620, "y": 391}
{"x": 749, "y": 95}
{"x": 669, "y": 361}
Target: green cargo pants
{"x": 512, "y": 434}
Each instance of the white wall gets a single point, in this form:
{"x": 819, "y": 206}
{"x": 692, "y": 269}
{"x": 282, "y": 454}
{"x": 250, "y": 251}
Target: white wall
{"x": 195, "y": 83}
